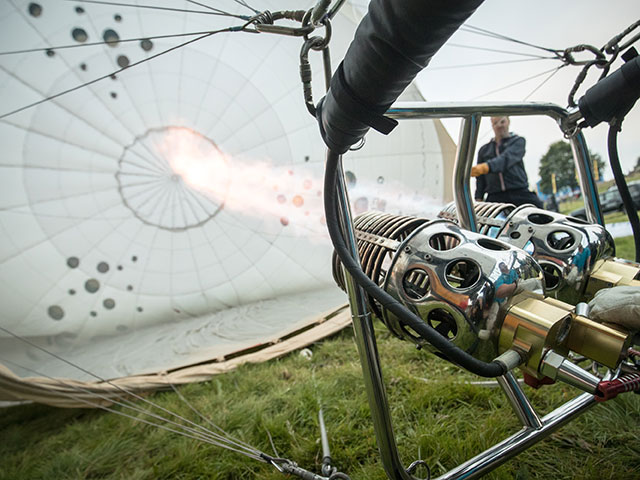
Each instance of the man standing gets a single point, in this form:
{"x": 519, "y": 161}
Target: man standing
{"x": 500, "y": 172}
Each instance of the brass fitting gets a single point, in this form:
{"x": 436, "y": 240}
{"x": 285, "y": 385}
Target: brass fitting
{"x": 612, "y": 273}
{"x": 606, "y": 344}
{"x": 535, "y": 324}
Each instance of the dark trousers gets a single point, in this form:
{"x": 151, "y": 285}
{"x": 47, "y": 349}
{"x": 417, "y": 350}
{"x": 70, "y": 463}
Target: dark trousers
{"x": 517, "y": 197}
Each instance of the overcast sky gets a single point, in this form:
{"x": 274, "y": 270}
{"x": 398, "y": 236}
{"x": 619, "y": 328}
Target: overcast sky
{"x": 552, "y": 24}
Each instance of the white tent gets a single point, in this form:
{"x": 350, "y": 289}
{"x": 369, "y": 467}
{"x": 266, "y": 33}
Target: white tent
{"x": 170, "y": 215}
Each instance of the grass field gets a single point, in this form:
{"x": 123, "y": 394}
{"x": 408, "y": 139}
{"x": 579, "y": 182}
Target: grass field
{"x": 438, "y": 417}
{"x": 625, "y": 248}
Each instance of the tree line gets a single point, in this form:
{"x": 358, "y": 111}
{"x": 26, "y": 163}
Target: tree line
{"x": 558, "y": 161}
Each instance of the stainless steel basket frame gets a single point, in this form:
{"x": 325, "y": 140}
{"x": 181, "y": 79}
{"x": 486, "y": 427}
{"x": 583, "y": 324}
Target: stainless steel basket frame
{"x": 534, "y": 428}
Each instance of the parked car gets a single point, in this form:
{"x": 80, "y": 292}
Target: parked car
{"x": 611, "y": 201}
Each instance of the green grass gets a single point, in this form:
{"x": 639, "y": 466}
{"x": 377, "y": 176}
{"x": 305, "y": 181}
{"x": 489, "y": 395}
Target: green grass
{"x": 615, "y": 217}
{"x": 625, "y": 248}
{"x": 569, "y": 206}
{"x": 437, "y": 417}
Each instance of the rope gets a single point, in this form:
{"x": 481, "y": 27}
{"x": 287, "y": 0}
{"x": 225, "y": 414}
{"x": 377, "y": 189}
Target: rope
{"x": 93, "y": 44}
{"x": 543, "y": 82}
{"x": 109, "y": 75}
{"x": 566, "y": 56}
{"x": 516, "y": 83}
{"x": 213, "y": 11}
{"x": 489, "y": 33}
{"x": 484, "y": 64}
{"x": 495, "y": 50}
{"x": 245, "y": 4}
{"x": 198, "y": 433}
{"x": 195, "y": 431}
{"x": 104, "y": 397}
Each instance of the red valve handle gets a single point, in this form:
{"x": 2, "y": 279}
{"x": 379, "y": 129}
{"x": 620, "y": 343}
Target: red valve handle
{"x": 608, "y": 389}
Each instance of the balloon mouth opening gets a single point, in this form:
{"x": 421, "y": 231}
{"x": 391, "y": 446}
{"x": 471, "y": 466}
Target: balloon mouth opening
{"x": 174, "y": 178}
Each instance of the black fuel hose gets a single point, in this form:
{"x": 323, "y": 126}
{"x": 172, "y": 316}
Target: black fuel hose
{"x": 449, "y": 350}
{"x": 623, "y": 189}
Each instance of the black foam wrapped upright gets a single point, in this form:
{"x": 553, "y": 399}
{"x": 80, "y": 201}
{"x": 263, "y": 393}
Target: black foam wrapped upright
{"x": 394, "y": 41}
{"x": 613, "y": 96}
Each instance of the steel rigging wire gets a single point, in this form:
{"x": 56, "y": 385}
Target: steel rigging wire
{"x": 195, "y": 431}
{"x": 92, "y": 44}
{"x": 211, "y": 11}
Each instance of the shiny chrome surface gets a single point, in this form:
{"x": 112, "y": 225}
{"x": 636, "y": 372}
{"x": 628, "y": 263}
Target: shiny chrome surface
{"x": 527, "y": 273}
{"x": 565, "y": 247}
{"x": 489, "y": 215}
{"x": 568, "y": 249}
{"x": 459, "y": 282}
{"x": 519, "y": 401}
{"x": 585, "y": 175}
{"x": 414, "y": 110}
{"x": 462, "y": 172}
{"x": 560, "y": 368}
{"x": 583, "y": 309}
{"x": 379, "y": 237}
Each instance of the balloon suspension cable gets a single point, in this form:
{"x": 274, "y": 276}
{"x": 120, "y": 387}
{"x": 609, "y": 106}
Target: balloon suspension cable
{"x": 209, "y": 10}
{"x": 288, "y": 467}
{"x": 310, "y": 20}
{"x": 87, "y": 396}
{"x": 94, "y": 399}
{"x": 237, "y": 28}
{"x": 265, "y": 22}
{"x": 219, "y": 438}
{"x": 327, "y": 467}
{"x": 262, "y": 22}
{"x": 323, "y": 10}
{"x": 319, "y": 16}
{"x": 109, "y": 42}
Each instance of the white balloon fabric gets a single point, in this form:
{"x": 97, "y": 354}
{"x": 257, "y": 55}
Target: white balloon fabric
{"x": 170, "y": 213}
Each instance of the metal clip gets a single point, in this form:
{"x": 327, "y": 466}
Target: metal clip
{"x": 264, "y": 23}
{"x": 567, "y": 56}
{"x": 319, "y": 44}
{"x": 306, "y": 22}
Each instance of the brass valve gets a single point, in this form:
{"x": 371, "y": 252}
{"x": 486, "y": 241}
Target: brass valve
{"x": 535, "y": 324}
{"x": 612, "y": 273}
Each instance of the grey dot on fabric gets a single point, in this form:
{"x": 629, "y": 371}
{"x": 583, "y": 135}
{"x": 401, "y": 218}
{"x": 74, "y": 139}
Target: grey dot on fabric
{"x": 55, "y": 312}
{"x": 92, "y": 285}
